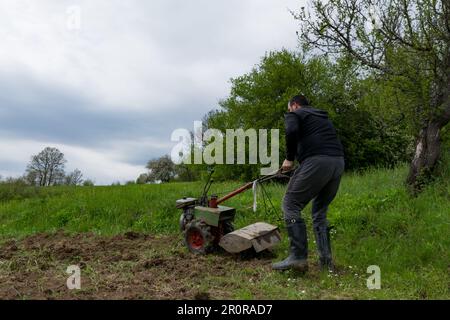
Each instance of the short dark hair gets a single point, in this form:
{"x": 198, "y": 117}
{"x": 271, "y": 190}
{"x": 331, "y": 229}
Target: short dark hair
{"x": 299, "y": 99}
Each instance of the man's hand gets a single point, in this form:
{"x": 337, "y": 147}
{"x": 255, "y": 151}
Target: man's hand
{"x": 287, "y": 166}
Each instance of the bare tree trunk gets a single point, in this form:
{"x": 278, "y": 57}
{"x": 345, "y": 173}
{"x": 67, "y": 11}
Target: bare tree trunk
{"x": 44, "y": 179}
{"x": 50, "y": 178}
{"x": 428, "y": 144}
{"x": 426, "y": 156}
{"x": 428, "y": 147}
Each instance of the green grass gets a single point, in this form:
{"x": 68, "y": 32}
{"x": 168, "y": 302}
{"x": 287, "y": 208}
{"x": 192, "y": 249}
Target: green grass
{"x": 377, "y": 223}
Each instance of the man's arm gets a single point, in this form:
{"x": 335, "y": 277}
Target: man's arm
{"x": 292, "y": 129}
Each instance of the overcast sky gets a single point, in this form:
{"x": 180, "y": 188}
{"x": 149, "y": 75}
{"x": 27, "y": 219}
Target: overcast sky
{"x": 109, "y": 92}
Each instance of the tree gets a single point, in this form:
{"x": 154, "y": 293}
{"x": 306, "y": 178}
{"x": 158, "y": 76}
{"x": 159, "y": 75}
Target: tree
{"x": 46, "y": 168}
{"x": 161, "y": 169}
{"x": 74, "y": 178}
{"x": 142, "y": 179}
{"x": 88, "y": 183}
{"x": 259, "y": 99}
{"x": 31, "y": 177}
{"x": 20, "y": 181}
{"x": 186, "y": 172}
{"x": 406, "y": 42}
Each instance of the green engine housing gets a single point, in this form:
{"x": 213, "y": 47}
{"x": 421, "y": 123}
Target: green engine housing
{"x": 213, "y": 216}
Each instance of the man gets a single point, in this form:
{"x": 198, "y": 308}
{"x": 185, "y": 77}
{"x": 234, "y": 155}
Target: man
{"x": 312, "y": 139}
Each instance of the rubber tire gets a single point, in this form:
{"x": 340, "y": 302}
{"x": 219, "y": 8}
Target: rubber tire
{"x": 204, "y": 231}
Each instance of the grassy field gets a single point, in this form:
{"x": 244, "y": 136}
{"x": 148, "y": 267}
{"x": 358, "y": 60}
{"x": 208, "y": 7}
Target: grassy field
{"x": 376, "y": 223}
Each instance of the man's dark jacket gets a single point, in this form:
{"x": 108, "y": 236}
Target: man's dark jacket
{"x": 309, "y": 132}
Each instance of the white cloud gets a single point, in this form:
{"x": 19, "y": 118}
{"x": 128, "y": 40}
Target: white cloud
{"x": 143, "y": 55}
{"x": 104, "y": 167}
{"x": 156, "y": 58}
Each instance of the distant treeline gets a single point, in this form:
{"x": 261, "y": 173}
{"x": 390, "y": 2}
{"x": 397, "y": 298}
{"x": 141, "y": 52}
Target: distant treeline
{"x": 47, "y": 168}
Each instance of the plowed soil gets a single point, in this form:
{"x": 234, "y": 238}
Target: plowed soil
{"x": 129, "y": 266}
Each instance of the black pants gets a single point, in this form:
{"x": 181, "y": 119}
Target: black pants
{"x": 318, "y": 179}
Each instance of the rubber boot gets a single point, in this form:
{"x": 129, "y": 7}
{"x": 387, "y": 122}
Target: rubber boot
{"x": 297, "y": 259}
{"x": 323, "y": 241}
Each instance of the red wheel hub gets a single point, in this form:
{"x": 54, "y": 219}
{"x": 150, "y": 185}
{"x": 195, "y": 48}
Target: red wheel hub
{"x": 195, "y": 239}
